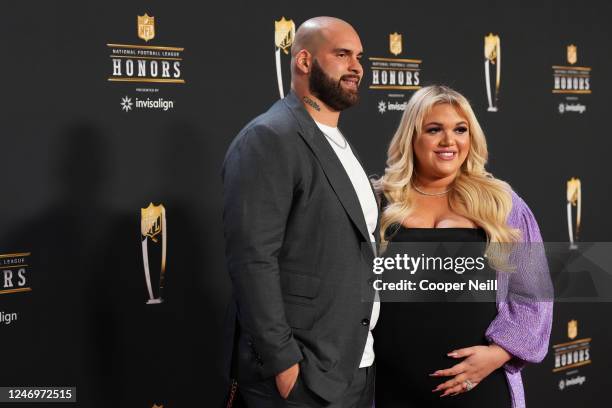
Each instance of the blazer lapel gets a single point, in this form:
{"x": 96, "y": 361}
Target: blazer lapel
{"x": 331, "y": 165}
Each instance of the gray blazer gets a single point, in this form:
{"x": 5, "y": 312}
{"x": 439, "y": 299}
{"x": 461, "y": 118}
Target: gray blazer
{"x": 294, "y": 231}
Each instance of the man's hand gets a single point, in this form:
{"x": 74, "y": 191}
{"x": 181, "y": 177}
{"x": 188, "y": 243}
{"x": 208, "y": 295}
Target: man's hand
{"x": 480, "y": 361}
{"x": 285, "y": 381}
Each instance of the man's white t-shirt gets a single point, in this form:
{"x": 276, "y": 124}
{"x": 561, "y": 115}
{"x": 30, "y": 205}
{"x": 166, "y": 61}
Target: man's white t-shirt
{"x": 362, "y": 187}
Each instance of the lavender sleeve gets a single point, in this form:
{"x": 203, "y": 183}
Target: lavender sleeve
{"x": 523, "y": 323}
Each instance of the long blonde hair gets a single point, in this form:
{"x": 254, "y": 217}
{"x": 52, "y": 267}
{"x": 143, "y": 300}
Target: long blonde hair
{"x": 475, "y": 193}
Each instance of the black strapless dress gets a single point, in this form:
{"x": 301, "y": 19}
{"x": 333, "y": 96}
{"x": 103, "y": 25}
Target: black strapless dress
{"x": 412, "y": 339}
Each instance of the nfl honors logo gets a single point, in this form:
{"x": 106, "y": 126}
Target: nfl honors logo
{"x": 574, "y": 353}
{"x": 571, "y": 79}
{"x": 146, "y": 27}
{"x": 145, "y": 63}
{"x": 13, "y": 276}
{"x": 394, "y": 75}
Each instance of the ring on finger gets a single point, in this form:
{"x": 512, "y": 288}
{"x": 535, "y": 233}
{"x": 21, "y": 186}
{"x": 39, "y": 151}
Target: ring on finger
{"x": 468, "y": 385}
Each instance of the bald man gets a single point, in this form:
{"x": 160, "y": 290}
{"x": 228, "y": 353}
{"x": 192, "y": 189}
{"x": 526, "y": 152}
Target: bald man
{"x": 299, "y": 216}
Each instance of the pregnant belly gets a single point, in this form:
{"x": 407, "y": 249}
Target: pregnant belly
{"x": 411, "y": 342}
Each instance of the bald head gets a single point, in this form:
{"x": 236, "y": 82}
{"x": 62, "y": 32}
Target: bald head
{"x": 325, "y": 62}
{"x": 315, "y": 32}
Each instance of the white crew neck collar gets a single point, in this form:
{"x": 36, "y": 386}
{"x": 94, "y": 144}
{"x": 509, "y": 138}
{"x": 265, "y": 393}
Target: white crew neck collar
{"x": 322, "y": 125}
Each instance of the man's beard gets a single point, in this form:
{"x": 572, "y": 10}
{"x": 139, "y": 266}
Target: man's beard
{"x": 329, "y": 90}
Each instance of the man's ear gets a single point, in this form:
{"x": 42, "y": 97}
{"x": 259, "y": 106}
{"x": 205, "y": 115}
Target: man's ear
{"x": 303, "y": 61}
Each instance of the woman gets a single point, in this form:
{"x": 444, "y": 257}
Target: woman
{"x": 436, "y": 189}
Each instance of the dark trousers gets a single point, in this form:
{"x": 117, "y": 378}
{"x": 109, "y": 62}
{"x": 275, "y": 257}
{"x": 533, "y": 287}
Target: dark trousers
{"x": 264, "y": 394}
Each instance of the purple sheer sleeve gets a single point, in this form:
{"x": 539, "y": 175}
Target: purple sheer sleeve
{"x": 524, "y": 320}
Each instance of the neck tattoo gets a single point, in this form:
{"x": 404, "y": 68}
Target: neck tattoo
{"x": 312, "y": 103}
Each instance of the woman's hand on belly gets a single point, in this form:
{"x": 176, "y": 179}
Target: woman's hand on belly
{"x": 479, "y": 362}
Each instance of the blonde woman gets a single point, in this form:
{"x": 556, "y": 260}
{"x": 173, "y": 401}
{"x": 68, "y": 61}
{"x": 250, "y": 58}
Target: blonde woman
{"x": 436, "y": 189}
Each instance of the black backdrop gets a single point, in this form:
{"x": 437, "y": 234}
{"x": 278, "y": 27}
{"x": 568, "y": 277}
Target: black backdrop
{"x": 76, "y": 169}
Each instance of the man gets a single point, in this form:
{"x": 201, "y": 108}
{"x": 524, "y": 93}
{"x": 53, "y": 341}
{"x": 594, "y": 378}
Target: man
{"x": 297, "y": 208}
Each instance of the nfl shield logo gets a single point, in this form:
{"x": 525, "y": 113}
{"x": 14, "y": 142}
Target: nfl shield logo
{"x": 284, "y": 32}
{"x": 395, "y": 44}
{"x": 491, "y": 47}
{"x": 151, "y": 221}
{"x": 146, "y": 27}
{"x": 572, "y": 329}
{"x": 572, "y": 54}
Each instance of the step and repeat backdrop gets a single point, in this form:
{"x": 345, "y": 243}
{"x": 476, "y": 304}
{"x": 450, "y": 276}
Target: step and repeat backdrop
{"x": 115, "y": 120}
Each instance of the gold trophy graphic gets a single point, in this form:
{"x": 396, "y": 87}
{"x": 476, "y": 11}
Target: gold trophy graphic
{"x": 574, "y": 199}
{"x": 284, "y": 33}
{"x": 492, "y": 52}
{"x": 153, "y": 229}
